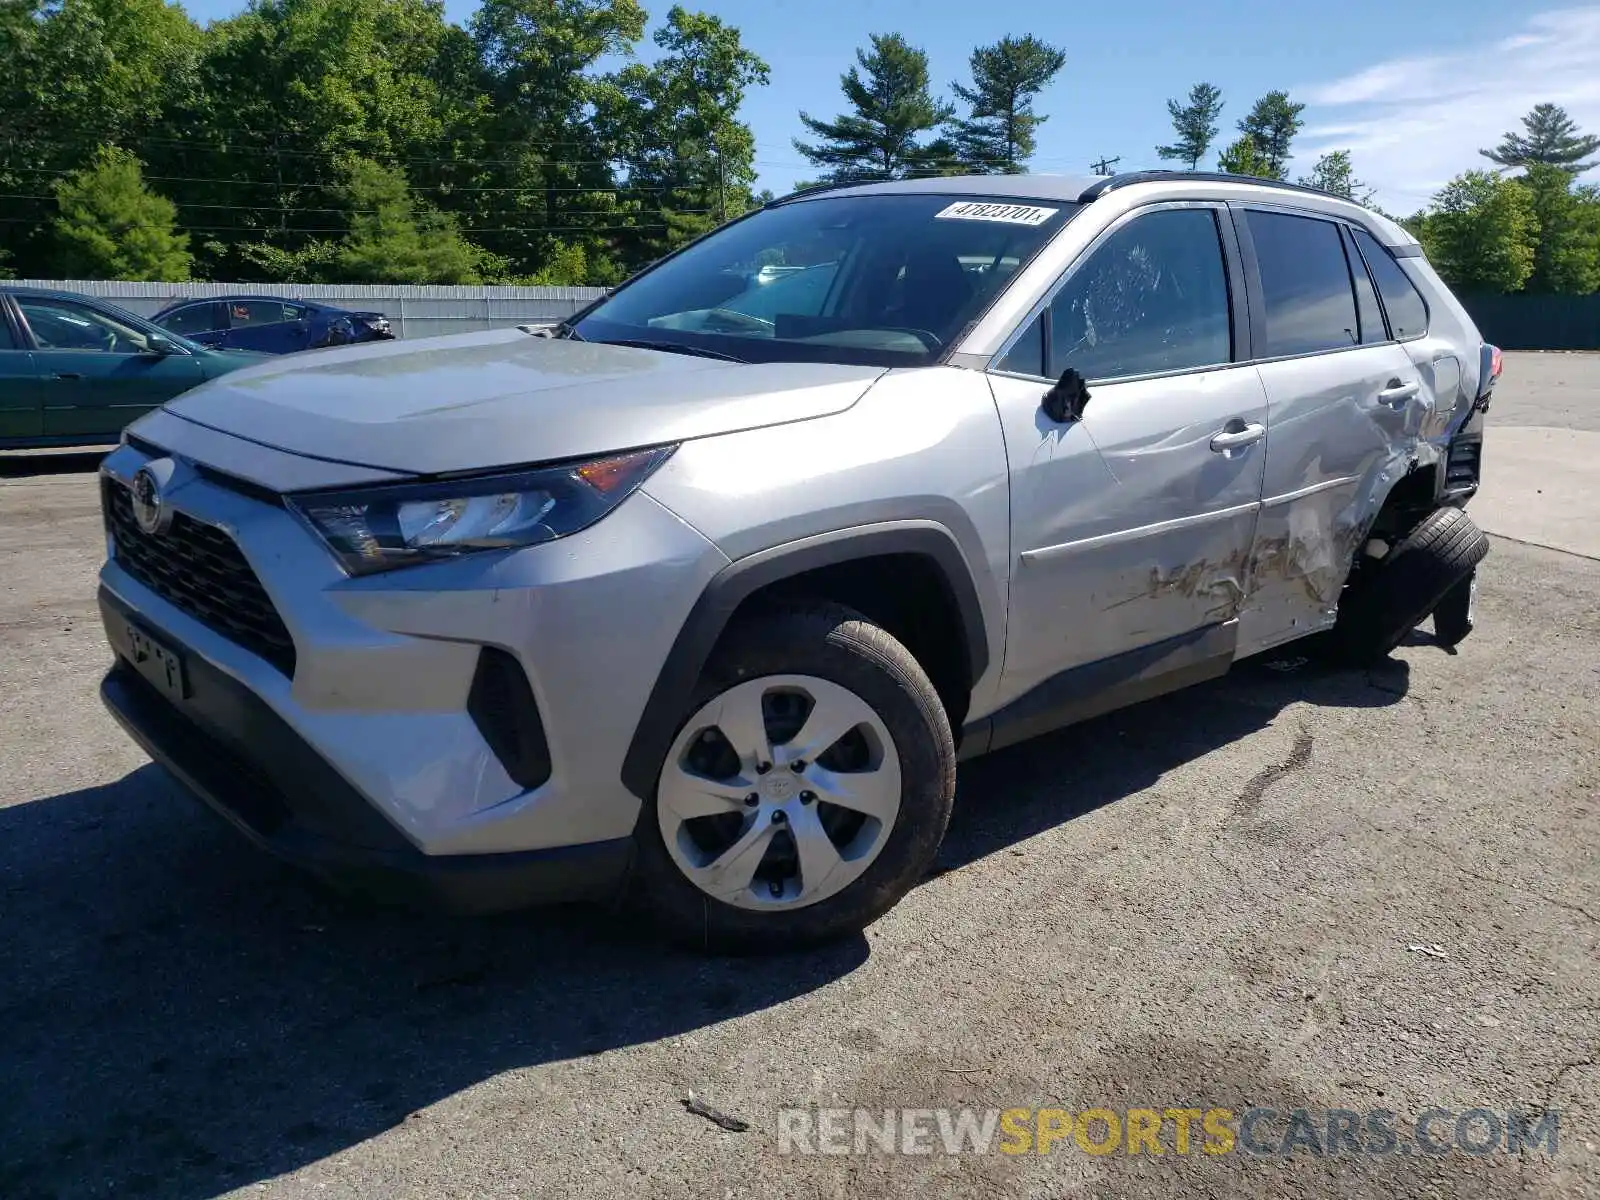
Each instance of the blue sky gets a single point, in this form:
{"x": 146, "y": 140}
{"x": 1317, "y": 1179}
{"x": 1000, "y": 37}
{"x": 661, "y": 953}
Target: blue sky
{"x": 1413, "y": 89}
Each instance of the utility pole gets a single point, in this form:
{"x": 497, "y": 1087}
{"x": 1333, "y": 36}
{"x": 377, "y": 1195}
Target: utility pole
{"x": 722, "y": 181}
{"x": 1103, "y": 167}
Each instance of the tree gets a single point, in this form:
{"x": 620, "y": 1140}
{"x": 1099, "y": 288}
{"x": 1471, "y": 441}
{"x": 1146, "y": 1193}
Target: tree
{"x": 1195, "y": 123}
{"x": 76, "y": 75}
{"x": 1481, "y": 232}
{"x": 111, "y": 226}
{"x": 893, "y": 106}
{"x": 1272, "y": 124}
{"x": 1244, "y": 157}
{"x": 1566, "y": 257}
{"x": 395, "y": 239}
{"x": 1332, "y": 172}
{"x": 674, "y": 124}
{"x": 554, "y": 176}
{"x": 997, "y": 135}
{"x": 290, "y": 90}
{"x": 1552, "y": 138}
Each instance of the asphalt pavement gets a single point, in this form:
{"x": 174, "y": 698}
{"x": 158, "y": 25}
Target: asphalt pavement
{"x": 1294, "y": 888}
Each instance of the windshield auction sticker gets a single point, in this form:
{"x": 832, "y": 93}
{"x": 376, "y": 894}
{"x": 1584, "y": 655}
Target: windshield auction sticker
{"x": 1006, "y": 214}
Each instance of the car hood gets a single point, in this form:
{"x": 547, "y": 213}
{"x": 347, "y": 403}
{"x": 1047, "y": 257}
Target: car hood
{"x": 501, "y": 398}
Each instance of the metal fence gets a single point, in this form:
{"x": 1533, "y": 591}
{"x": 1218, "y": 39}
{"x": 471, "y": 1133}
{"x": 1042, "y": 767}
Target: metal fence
{"x": 414, "y": 310}
{"x": 1517, "y": 322}
{"x": 1524, "y": 322}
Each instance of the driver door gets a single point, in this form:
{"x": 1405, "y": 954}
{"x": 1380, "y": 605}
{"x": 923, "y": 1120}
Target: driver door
{"x": 1132, "y": 526}
{"x": 94, "y": 371}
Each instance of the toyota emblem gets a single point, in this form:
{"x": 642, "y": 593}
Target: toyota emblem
{"x": 149, "y": 513}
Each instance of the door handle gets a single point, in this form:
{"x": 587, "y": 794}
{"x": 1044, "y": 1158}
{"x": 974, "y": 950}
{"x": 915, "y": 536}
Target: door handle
{"x": 1235, "y": 434}
{"x": 1397, "y": 393}
{"x": 68, "y": 375}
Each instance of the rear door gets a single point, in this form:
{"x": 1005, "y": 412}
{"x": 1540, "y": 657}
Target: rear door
{"x": 205, "y": 322}
{"x": 96, "y": 369}
{"x": 21, "y": 401}
{"x": 1342, "y": 397}
{"x": 271, "y": 326}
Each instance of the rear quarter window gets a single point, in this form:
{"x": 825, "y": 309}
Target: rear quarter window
{"x": 1407, "y": 310}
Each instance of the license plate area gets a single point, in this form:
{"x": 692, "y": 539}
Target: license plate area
{"x": 158, "y": 663}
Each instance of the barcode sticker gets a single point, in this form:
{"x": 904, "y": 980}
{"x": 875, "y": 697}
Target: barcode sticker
{"x": 1006, "y": 214}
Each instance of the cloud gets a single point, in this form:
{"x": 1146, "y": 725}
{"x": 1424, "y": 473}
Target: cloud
{"x": 1414, "y": 122}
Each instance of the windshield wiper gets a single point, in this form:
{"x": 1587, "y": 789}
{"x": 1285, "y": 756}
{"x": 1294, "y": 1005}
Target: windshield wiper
{"x": 671, "y": 348}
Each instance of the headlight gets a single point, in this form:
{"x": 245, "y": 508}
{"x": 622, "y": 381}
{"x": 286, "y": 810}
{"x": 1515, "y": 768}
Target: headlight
{"x": 378, "y": 529}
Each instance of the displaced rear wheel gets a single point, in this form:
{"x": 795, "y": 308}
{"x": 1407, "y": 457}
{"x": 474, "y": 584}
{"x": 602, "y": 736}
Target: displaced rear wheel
{"x": 1396, "y": 593}
{"x": 1452, "y": 620}
{"x": 805, "y": 794}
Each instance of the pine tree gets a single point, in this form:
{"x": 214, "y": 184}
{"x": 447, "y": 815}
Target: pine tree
{"x": 1552, "y": 138}
{"x": 1244, "y": 157}
{"x": 111, "y": 226}
{"x": 1195, "y": 123}
{"x": 1272, "y": 124}
{"x": 1333, "y": 172}
{"x": 893, "y": 106}
{"x": 396, "y": 239}
{"x": 997, "y": 136}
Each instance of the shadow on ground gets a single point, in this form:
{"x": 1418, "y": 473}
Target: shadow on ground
{"x": 28, "y": 464}
{"x": 182, "y": 1016}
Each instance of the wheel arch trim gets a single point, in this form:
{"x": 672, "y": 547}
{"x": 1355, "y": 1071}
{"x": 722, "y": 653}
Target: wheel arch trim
{"x": 743, "y": 577}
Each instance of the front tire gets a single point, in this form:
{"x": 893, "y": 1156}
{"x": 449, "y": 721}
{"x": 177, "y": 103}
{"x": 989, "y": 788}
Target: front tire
{"x": 807, "y": 790}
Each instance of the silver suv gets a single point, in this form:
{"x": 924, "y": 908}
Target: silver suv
{"x": 697, "y": 598}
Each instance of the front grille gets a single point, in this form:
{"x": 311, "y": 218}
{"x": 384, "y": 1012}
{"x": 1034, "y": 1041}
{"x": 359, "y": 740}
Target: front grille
{"x": 201, "y": 570}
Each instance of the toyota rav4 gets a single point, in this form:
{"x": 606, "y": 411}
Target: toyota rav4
{"x": 697, "y": 598}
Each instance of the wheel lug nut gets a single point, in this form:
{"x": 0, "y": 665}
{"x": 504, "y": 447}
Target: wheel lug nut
{"x": 752, "y": 800}
{"x": 798, "y": 765}
{"x": 762, "y": 768}
{"x": 807, "y": 797}
{"x": 778, "y": 818}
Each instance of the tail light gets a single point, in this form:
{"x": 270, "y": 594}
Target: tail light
{"x": 1490, "y": 364}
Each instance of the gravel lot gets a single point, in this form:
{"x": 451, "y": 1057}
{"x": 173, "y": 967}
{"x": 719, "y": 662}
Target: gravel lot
{"x": 1206, "y": 901}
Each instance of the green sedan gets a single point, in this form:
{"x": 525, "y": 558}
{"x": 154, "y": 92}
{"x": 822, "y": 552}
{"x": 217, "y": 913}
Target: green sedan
{"x": 74, "y": 370}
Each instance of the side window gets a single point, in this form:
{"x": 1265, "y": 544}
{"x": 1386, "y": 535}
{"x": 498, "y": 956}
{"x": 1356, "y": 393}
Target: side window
{"x": 63, "y": 325}
{"x": 8, "y": 341}
{"x": 1026, "y": 356}
{"x": 1408, "y": 312}
{"x": 1152, "y": 297}
{"x": 242, "y": 313}
{"x": 1305, "y": 282}
{"x": 195, "y": 318}
{"x": 1367, "y": 309}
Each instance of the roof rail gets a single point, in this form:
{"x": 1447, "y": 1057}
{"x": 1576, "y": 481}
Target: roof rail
{"x": 1100, "y": 187}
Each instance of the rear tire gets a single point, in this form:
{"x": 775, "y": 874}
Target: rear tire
{"x": 1452, "y": 620}
{"x": 1397, "y": 593}
{"x": 818, "y": 868}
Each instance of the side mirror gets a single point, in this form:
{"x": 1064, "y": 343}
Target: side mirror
{"x": 160, "y": 346}
{"x": 1067, "y": 398}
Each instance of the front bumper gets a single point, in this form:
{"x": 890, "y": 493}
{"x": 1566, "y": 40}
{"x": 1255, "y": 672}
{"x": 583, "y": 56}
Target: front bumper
{"x": 233, "y": 752}
{"x": 386, "y": 688}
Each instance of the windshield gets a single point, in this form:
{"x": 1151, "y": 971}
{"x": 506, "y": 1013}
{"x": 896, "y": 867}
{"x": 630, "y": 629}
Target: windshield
{"x": 888, "y": 280}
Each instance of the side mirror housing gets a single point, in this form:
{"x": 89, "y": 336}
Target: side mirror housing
{"x": 160, "y": 346}
{"x": 1067, "y": 398}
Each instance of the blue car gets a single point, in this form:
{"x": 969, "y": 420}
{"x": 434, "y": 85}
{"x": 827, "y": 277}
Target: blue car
{"x": 270, "y": 324}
